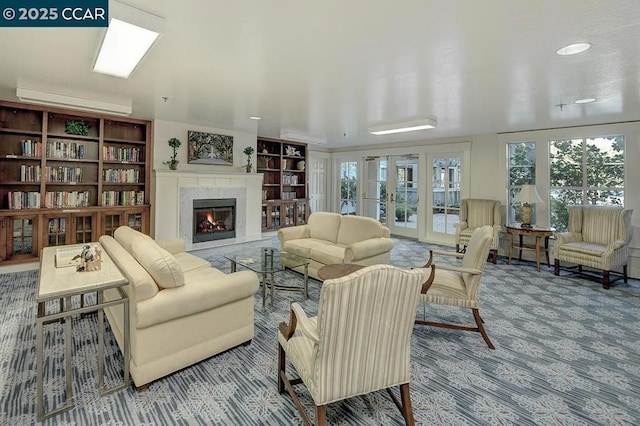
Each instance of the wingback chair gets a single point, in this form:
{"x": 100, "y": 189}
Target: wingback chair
{"x": 459, "y": 286}
{"x": 598, "y": 238}
{"x": 474, "y": 213}
{"x": 358, "y": 343}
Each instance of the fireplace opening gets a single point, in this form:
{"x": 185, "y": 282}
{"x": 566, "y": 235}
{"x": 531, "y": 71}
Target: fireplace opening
{"x": 214, "y": 219}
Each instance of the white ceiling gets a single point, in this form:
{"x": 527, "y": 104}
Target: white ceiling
{"x": 332, "y": 68}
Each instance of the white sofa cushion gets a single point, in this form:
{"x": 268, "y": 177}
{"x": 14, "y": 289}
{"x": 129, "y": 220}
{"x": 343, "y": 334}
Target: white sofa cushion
{"x": 304, "y": 246}
{"x": 126, "y": 236}
{"x": 358, "y": 228}
{"x": 158, "y": 262}
{"x": 324, "y": 226}
{"x": 189, "y": 262}
{"x": 329, "y": 254}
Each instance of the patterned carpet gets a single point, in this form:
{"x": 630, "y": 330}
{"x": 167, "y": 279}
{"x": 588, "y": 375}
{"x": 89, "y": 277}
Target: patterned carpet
{"x": 567, "y": 353}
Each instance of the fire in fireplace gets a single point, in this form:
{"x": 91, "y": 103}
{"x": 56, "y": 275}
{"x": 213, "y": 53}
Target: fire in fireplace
{"x": 214, "y": 219}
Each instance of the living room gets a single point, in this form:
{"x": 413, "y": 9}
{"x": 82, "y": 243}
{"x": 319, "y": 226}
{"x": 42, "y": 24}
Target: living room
{"x": 489, "y": 80}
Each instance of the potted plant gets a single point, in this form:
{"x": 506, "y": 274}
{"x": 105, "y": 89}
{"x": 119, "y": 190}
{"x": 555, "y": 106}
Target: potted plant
{"x": 174, "y": 143}
{"x": 248, "y": 151}
{"x": 400, "y": 213}
{"x": 76, "y": 127}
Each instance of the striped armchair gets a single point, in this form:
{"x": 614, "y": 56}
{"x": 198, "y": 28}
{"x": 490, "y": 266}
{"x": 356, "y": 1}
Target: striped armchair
{"x": 459, "y": 286}
{"x": 598, "y": 238}
{"x": 358, "y": 343}
{"x": 475, "y": 213}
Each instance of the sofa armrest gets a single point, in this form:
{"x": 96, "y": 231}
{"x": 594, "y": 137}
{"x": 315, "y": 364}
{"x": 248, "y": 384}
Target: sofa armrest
{"x": 461, "y": 269}
{"x": 293, "y": 233}
{"x": 367, "y": 248}
{"x": 304, "y": 324}
{"x": 567, "y": 237}
{"x": 461, "y": 225}
{"x": 172, "y": 245}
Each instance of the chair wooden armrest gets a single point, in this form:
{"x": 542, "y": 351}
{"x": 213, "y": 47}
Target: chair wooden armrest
{"x": 441, "y": 253}
{"x": 300, "y": 320}
{"x": 429, "y": 281}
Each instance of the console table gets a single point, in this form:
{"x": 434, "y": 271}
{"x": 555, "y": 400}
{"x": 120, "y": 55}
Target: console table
{"x": 533, "y": 231}
{"x": 61, "y": 294}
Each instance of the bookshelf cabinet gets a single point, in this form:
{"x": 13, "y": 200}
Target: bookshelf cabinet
{"x": 67, "y": 177}
{"x": 284, "y": 186}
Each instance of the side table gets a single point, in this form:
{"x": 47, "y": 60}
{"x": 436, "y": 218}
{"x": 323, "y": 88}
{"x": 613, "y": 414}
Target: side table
{"x": 534, "y": 231}
{"x": 58, "y": 286}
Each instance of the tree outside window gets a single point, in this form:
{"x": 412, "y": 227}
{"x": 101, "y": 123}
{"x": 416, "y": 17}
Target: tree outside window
{"x": 522, "y": 171}
{"x": 348, "y": 187}
{"x": 585, "y": 171}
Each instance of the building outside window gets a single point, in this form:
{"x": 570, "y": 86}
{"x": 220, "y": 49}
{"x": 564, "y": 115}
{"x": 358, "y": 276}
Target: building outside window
{"x": 584, "y": 171}
{"x": 522, "y": 171}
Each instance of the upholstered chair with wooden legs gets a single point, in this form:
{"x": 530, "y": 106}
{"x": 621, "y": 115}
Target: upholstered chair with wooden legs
{"x": 460, "y": 285}
{"x": 359, "y": 342}
{"x": 598, "y": 238}
{"x": 474, "y": 213}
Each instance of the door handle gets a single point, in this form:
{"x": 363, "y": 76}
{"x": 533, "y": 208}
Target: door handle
{"x": 391, "y": 198}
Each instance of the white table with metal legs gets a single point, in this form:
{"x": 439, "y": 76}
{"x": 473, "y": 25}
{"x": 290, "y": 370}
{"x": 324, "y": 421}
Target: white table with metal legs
{"x": 57, "y": 289}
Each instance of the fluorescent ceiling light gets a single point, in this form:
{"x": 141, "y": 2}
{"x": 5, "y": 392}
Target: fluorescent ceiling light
{"x": 409, "y": 126}
{"x": 585, "y": 101}
{"x": 62, "y": 98}
{"x": 297, "y": 137}
{"x": 573, "y": 49}
{"x": 130, "y": 35}
{"x": 255, "y": 117}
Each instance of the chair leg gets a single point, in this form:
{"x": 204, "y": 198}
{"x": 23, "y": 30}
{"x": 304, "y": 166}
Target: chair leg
{"x": 495, "y": 256}
{"x": 605, "y": 280}
{"x": 476, "y": 316}
{"x": 281, "y": 367}
{"x": 457, "y": 248}
{"x": 556, "y": 267}
{"x": 321, "y": 415}
{"x": 407, "y": 411}
{"x": 624, "y": 272}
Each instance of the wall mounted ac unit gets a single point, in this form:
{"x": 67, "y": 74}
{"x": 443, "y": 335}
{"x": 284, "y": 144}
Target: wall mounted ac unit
{"x": 60, "y": 99}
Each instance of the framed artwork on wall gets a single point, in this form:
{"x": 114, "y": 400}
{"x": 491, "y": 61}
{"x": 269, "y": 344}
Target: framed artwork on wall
{"x": 210, "y": 148}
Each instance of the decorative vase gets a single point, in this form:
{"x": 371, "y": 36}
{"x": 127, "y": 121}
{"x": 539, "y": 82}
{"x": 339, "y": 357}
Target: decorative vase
{"x": 173, "y": 165}
{"x": 300, "y": 165}
{"x": 248, "y": 167}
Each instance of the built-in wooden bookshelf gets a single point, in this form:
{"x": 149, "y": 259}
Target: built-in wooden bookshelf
{"x": 284, "y": 186}
{"x": 60, "y": 188}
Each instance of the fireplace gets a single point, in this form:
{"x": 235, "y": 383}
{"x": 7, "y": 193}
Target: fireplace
{"x": 214, "y": 219}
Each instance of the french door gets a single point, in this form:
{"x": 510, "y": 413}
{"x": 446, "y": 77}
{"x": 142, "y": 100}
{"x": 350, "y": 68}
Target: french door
{"x": 391, "y": 193}
{"x": 446, "y": 184}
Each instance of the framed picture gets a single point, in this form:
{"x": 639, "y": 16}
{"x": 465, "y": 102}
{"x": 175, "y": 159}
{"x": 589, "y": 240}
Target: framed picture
{"x": 209, "y": 148}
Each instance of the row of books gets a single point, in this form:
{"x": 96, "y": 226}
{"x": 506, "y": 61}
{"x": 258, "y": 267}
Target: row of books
{"x": 64, "y": 174}
{"x": 289, "y": 195}
{"x": 121, "y": 175}
{"x": 289, "y": 179}
{"x": 114, "y": 153}
{"x": 30, "y": 173}
{"x": 31, "y": 148}
{"x": 61, "y": 149}
{"x": 23, "y": 200}
{"x": 59, "y": 199}
{"x": 122, "y": 198}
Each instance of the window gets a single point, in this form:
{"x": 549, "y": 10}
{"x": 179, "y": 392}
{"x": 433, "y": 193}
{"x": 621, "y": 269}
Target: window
{"x": 522, "y": 171}
{"x": 585, "y": 171}
{"x": 348, "y": 187}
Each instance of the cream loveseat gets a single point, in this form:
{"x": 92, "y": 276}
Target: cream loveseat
{"x": 182, "y": 310}
{"x": 330, "y": 238}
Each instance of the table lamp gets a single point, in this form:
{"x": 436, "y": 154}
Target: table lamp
{"x": 528, "y": 195}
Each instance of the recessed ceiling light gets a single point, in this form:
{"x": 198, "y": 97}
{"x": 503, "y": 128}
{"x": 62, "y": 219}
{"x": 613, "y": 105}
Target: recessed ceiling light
{"x": 585, "y": 101}
{"x": 255, "y": 117}
{"x": 573, "y": 49}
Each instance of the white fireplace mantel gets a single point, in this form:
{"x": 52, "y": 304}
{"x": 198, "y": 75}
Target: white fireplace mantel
{"x": 174, "y": 192}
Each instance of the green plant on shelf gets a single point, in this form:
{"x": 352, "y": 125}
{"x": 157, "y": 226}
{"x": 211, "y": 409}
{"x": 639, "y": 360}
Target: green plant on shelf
{"x": 76, "y": 127}
{"x": 174, "y": 143}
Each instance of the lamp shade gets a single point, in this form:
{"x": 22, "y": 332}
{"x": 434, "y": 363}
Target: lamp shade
{"x": 528, "y": 195}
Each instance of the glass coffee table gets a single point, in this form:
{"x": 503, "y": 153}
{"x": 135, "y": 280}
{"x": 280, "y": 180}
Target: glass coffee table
{"x": 266, "y": 262}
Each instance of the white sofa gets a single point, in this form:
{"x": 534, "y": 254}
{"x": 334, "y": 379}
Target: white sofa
{"x": 182, "y": 310}
{"x": 330, "y": 238}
